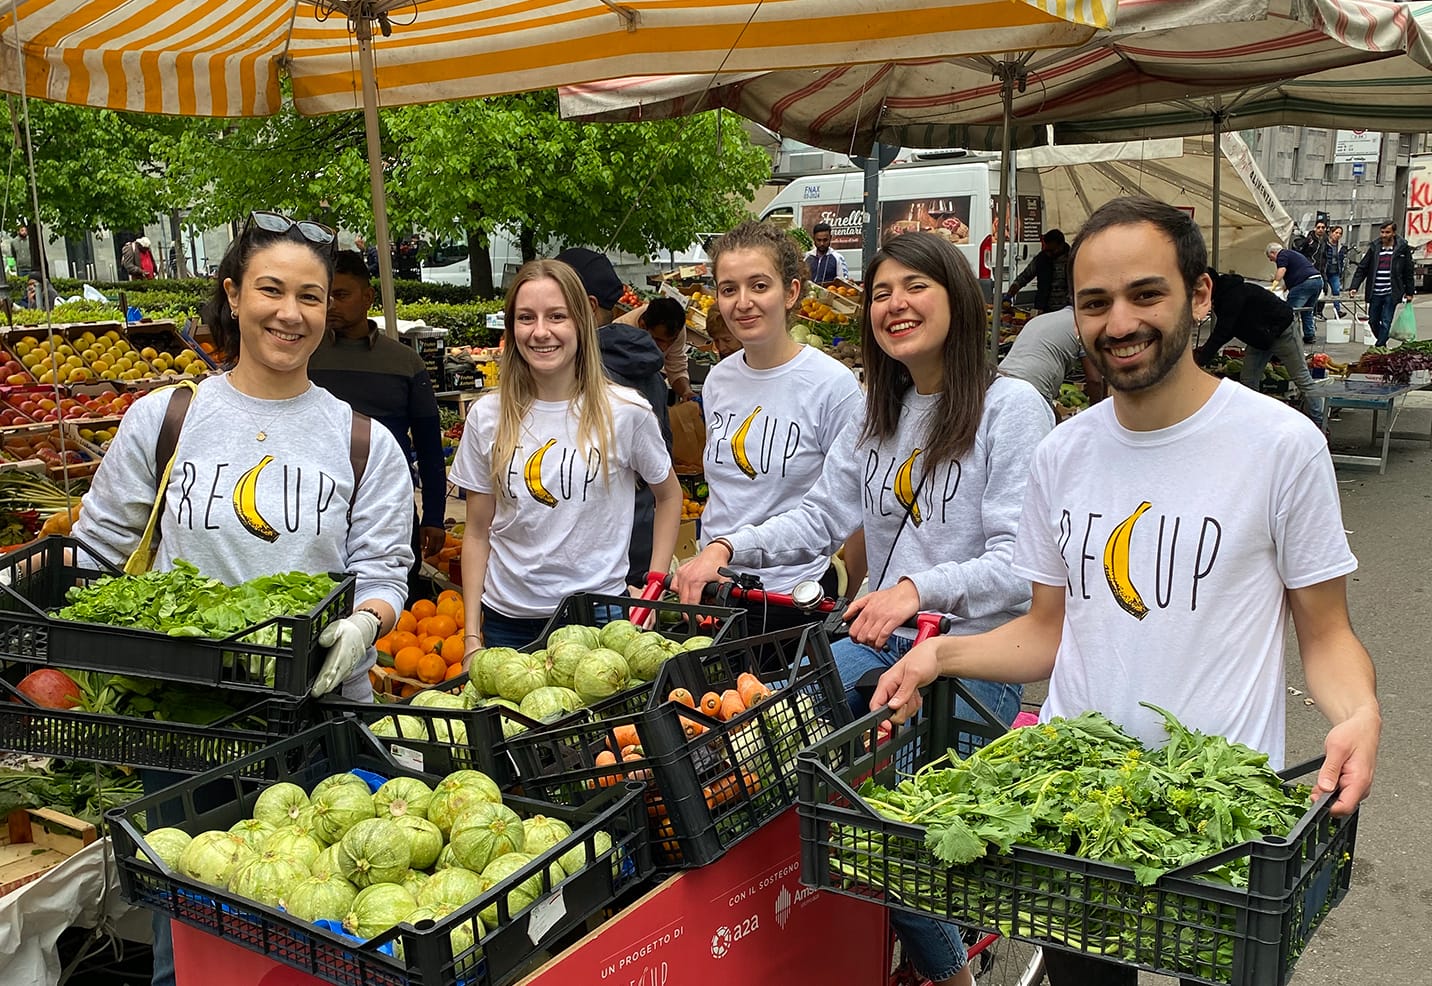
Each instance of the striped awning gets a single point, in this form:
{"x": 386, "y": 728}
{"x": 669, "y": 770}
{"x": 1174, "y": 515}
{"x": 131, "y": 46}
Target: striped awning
{"x": 1163, "y": 70}
{"x": 225, "y": 57}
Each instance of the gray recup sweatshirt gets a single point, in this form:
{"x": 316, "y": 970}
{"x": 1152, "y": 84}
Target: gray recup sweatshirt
{"x": 238, "y": 508}
{"x": 948, "y": 529}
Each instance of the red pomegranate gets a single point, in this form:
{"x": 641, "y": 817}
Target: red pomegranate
{"x": 50, "y": 689}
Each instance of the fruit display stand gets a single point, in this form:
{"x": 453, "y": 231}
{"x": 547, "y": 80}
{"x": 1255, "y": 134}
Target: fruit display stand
{"x": 222, "y": 797}
{"x": 164, "y": 349}
{"x": 59, "y": 446}
{"x": 743, "y": 919}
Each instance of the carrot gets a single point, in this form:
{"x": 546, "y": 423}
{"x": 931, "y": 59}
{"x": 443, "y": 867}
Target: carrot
{"x": 711, "y": 705}
{"x": 683, "y": 696}
{"x": 751, "y": 689}
{"x": 636, "y": 756}
{"x": 607, "y": 759}
{"x": 625, "y": 735}
{"x": 731, "y": 705}
{"x": 691, "y": 727}
{"x": 721, "y": 791}
{"x": 633, "y": 748}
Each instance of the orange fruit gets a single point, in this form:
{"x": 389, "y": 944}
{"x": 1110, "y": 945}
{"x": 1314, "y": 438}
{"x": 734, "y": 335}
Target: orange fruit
{"x": 400, "y": 639}
{"x": 406, "y": 662}
{"x": 454, "y": 669}
{"x": 452, "y": 649}
{"x": 441, "y": 625}
{"x": 451, "y": 607}
{"x": 447, "y": 594}
{"x": 406, "y": 621}
{"x": 430, "y": 643}
{"x": 424, "y": 608}
{"x": 384, "y": 644}
{"x": 408, "y": 691}
{"x": 432, "y": 668}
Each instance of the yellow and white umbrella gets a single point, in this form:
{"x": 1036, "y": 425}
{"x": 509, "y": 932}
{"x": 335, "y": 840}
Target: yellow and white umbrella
{"x": 225, "y": 57}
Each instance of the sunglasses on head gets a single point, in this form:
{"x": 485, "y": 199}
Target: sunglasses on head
{"x": 274, "y": 222}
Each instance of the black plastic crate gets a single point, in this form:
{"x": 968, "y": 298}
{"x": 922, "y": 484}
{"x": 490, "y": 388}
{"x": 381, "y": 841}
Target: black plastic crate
{"x": 675, "y": 620}
{"x": 130, "y": 741}
{"x": 438, "y": 740}
{"x": 486, "y": 726}
{"x": 219, "y": 798}
{"x": 34, "y": 580}
{"x": 707, "y": 791}
{"x": 1187, "y": 925}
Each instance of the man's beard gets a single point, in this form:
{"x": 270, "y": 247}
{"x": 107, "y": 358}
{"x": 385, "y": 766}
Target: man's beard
{"x": 1168, "y": 350}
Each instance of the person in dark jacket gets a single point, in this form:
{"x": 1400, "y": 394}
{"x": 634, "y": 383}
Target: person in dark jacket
{"x": 633, "y": 360}
{"x": 1387, "y": 269}
{"x": 1268, "y": 327}
{"x": 387, "y": 381}
{"x": 1049, "y": 270}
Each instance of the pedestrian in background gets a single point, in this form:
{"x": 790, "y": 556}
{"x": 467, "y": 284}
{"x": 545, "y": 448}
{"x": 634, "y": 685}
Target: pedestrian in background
{"x": 138, "y": 260}
{"x": 1049, "y": 270}
{"x": 1295, "y": 272}
{"x": 387, "y": 381}
{"x": 1386, "y": 268}
{"x": 1336, "y": 263}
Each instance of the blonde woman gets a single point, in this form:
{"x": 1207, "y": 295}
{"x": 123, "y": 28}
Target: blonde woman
{"x": 550, "y": 465}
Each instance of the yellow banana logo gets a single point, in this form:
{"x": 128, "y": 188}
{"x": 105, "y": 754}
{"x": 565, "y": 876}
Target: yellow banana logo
{"x": 905, "y": 487}
{"x": 246, "y": 493}
{"x": 738, "y": 445}
{"x": 1116, "y": 565}
{"x": 532, "y": 476}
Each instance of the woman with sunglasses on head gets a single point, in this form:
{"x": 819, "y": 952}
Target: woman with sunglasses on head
{"x": 935, "y": 473}
{"x": 550, "y": 465}
{"x": 263, "y": 477}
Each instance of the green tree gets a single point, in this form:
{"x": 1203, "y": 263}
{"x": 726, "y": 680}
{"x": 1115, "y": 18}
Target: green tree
{"x": 468, "y": 168}
{"x": 94, "y": 169}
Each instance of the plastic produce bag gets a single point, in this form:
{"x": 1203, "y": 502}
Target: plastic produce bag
{"x": 92, "y": 293}
{"x": 1404, "y": 325}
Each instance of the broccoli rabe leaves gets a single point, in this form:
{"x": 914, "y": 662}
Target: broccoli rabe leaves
{"x": 1084, "y": 787}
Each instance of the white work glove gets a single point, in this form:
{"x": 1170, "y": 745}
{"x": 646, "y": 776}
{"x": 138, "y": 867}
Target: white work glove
{"x": 347, "y": 641}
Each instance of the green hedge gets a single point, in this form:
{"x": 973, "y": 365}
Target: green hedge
{"x": 194, "y": 290}
{"x": 466, "y": 323}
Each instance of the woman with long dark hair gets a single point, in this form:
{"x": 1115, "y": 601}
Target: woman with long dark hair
{"x": 935, "y": 474}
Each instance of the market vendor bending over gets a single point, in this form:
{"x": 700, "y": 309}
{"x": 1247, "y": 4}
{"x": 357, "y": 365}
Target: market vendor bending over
{"x": 1204, "y": 639}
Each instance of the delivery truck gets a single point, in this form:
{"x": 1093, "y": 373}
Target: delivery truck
{"x": 953, "y": 194}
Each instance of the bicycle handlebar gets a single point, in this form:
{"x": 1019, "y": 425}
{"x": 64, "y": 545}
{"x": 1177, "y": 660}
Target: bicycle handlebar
{"x": 925, "y": 625}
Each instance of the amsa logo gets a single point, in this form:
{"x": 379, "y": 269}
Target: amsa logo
{"x": 785, "y": 902}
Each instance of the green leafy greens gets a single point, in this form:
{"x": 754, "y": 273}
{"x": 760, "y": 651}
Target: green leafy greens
{"x": 183, "y": 603}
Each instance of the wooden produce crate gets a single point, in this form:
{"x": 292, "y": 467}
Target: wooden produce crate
{"x": 58, "y": 445}
{"x": 164, "y": 349}
{"x": 36, "y": 840}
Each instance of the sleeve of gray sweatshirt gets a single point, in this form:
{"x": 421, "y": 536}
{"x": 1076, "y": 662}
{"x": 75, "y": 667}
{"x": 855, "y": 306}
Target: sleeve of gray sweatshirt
{"x": 816, "y": 528}
{"x": 1016, "y": 418}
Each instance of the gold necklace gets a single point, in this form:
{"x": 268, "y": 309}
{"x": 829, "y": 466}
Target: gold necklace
{"x": 262, "y": 432}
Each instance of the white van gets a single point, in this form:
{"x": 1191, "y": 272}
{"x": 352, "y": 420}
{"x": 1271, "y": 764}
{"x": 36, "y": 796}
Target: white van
{"x": 955, "y": 198}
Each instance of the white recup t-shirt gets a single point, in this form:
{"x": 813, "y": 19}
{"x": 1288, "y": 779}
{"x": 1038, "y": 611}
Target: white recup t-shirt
{"x": 795, "y": 411}
{"x": 1191, "y": 615}
{"x": 563, "y": 522}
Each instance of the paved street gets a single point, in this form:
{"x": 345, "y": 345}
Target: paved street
{"x": 1380, "y": 933}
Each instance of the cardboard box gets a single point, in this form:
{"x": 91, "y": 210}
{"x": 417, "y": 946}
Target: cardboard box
{"x": 745, "y": 919}
{"x": 36, "y": 840}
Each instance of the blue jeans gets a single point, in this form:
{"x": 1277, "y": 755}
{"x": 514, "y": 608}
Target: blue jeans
{"x": 1380, "y": 309}
{"x": 1334, "y": 282}
{"x": 1301, "y": 299}
{"x": 1290, "y": 351}
{"x": 510, "y": 631}
{"x": 517, "y": 632}
{"x": 933, "y": 947}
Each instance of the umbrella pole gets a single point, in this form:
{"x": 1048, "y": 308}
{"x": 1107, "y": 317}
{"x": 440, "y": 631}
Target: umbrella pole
{"x": 363, "y": 29}
{"x": 1217, "y": 182}
{"x": 1007, "y": 72}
